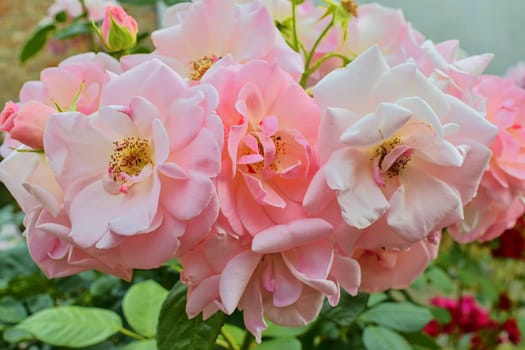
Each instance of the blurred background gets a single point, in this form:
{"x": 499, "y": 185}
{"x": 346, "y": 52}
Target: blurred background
{"x": 481, "y": 26}
{"x": 18, "y": 19}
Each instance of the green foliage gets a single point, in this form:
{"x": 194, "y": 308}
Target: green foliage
{"x": 280, "y": 343}
{"x": 72, "y": 326}
{"x": 36, "y": 42}
{"x": 440, "y": 279}
{"x": 73, "y": 30}
{"x": 177, "y": 332}
{"x": 277, "y": 331}
{"x": 11, "y": 310}
{"x": 173, "y": 2}
{"x": 401, "y": 316}
{"x": 141, "y": 345}
{"x": 347, "y": 311}
{"x": 380, "y": 338}
{"x": 142, "y": 305}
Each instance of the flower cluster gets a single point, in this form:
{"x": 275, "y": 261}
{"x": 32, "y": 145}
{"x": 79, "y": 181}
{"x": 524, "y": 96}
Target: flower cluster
{"x": 274, "y": 170}
{"x": 467, "y": 317}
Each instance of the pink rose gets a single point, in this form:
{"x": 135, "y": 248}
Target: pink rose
{"x": 30, "y": 180}
{"x": 271, "y": 125}
{"x": 282, "y": 275}
{"x": 245, "y": 31}
{"x": 517, "y": 73}
{"x": 382, "y": 26}
{"x": 390, "y": 140}
{"x": 137, "y": 174}
{"x": 382, "y": 269}
{"x": 399, "y": 42}
{"x": 75, "y": 84}
{"x": 498, "y": 203}
{"x": 264, "y": 234}
{"x": 7, "y": 116}
{"x": 30, "y": 122}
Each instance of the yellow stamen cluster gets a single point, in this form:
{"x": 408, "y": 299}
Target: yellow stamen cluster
{"x": 200, "y": 66}
{"x": 129, "y": 157}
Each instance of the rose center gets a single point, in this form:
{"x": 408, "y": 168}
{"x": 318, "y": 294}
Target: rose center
{"x": 129, "y": 157}
{"x": 280, "y": 150}
{"x": 199, "y": 67}
{"x": 389, "y": 159}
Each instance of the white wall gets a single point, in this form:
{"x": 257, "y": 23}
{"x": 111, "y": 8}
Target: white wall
{"x": 496, "y": 26}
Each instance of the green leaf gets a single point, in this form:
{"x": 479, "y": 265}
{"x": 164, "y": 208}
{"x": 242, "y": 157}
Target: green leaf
{"x": 422, "y": 340}
{"x": 142, "y": 305}
{"x": 61, "y": 17}
{"x": 348, "y": 309}
{"x": 11, "y": 310}
{"x": 376, "y": 298}
{"x": 173, "y": 2}
{"x": 75, "y": 29}
{"x": 16, "y": 262}
{"x": 15, "y": 335}
{"x": 235, "y": 333}
{"x": 36, "y": 42}
{"x": 379, "y": 338}
{"x": 177, "y": 332}
{"x": 72, "y": 326}
{"x": 440, "y": 279}
{"x": 39, "y": 302}
{"x": 105, "y": 283}
{"x": 442, "y": 315}
{"x": 141, "y": 345}
{"x": 281, "y": 344}
{"x": 401, "y": 316}
{"x": 277, "y": 331}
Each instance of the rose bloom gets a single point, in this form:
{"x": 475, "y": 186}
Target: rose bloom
{"x": 517, "y": 73}
{"x": 402, "y": 156}
{"x": 383, "y": 269}
{"x": 137, "y": 174}
{"x": 399, "y": 42}
{"x": 76, "y": 84}
{"x": 382, "y": 26}
{"x": 245, "y": 31}
{"x": 499, "y": 201}
{"x": 281, "y": 275}
{"x": 275, "y": 261}
{"x": 31, "y": 181}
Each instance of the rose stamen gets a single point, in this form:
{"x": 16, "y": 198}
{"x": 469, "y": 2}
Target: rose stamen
{"x": 200, "y": 67}
{"x": 128, "y": 158}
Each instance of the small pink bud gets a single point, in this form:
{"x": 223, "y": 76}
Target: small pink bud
{"x": 119, "y": 30}
{"x": 8, "y": 115}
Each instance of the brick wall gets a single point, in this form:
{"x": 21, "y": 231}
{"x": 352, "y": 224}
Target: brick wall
{"x": 18, "y": 18}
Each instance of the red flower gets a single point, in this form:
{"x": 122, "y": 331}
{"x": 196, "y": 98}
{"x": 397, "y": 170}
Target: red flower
{"x": 513, "y": 332}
